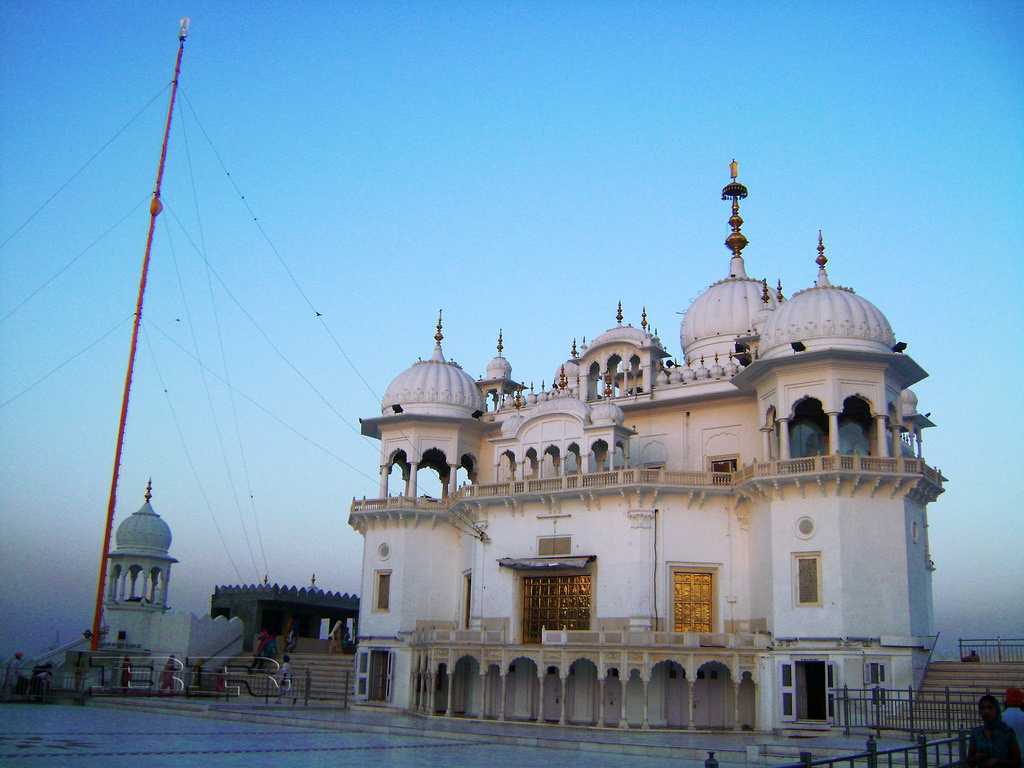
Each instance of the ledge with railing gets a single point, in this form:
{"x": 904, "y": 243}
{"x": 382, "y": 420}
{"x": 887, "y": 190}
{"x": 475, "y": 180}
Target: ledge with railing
{"x": 646, "y": 638}
{"x": 904, "y": 709}
{"x": 838, "y": 464}
{"x": 939, "y": 753}
{"x": 989, "y": 650}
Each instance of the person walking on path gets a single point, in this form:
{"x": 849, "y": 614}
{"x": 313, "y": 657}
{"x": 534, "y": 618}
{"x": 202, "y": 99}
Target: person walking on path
{"x": 1013, "y": 715}
{"x": 261, "y": 643}
{"x": 993, "y": 743}
{"x": 126, "y": 673}
{"x": 284, "y": 678}
{"x": 12, "y": 672}
{"x": 167, "y": 676}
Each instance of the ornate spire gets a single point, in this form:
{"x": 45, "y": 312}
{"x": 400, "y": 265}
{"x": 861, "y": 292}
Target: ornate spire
{"x": 438, "y": 336}
{"x": 618, "y": 314}
{"x": 149, "y": 490}
{"x": 563, "y": 380}
{"x": 573, "y": 354}
{"x": 517, "y": 399}
{"x": 608, "y": 391}
{"x": 736, "y": 241}
{"x": 765, "y": 296}
{"x": 778, "y": 292}
{"x": 501, "y": 345}
{"x": 643, "y": 318}
{"x": 821, "y": 261}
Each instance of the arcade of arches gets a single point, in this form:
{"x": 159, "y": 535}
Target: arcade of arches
{"x": 672, "y": 693}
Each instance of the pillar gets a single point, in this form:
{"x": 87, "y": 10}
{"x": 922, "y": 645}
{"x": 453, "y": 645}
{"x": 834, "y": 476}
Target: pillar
{"x": 783, "y": 439}
{"x": 483, "y": 695}
{"x": 584, "y": 386}
{"x": 735, "y": 706}
{"x": 881, "y": 444}
{"x": 623, "y": 685}
{"x": 896, "y": 452}
{"x": 561, "y": 700}
{"x": 540, "y": 693}
{"x": 382, "y": 489}
{"x": 600, "y": 703}
{"x": 833, "y": 432}
{"x": 644, "y": 724}
{"x": 450, "y": 678}
{"x": 766, "y": 445}
{"x": 501, "y": 707}
{"x": 428, "y": 698}
{"x": 166, "y": 586}
{"x": 410, "y": 484}
{"x": 917, "y": 439}
{"x": 453, "y": 479}
{"x": 689, "y": 704}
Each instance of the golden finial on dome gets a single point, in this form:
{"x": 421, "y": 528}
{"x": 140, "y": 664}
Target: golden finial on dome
{"x": 736, "y": 241}
{"x": 517, "y": 399}
{"x": 765, "y": 295}
{"x": 643, "y": 318}
{"x": 149, "y": 490}
{"x": 618, "y": 314}
{"x": 438, "y": 336}
{"x": 822, "y": 259}
{"x": 501, "y": 345}
{"x": 573, "y": 354}
{"x": 563, "y": 380}
{"x": 778, "y": 292}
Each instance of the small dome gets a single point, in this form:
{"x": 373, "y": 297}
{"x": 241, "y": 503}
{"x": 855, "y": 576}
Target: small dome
{"x": 827, "y": 317}
{"x": 499, "y": 368}
{"x": 726, "y": 310}
{"x": 434, "y": 387}
{"x": 144, "y": 532}
{"x": 572, "y": 370}
{"x": 908, "y": 403}
{"x": 604, "y": 413}
{"x": 625, "y": 333}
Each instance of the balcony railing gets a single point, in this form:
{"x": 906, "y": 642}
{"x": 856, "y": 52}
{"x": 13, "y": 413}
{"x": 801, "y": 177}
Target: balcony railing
{"x": 643, "y": 638}
{"x": 811, "y": 465}
{"x": 456, "y": 636}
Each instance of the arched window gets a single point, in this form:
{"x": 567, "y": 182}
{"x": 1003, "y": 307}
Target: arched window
{"x": 614, "y": 370}
{"x": 594, "y": 387}
{"x": 532, "y": 464}
{"x": 573, "y": 465}
{"x": 398, "y": 473}
{"x": 808, "y": 431}
{"x": 434, "y": 459}
{"x": 552, "y": 464}
{"x": 507, "y": 468}
{"x": 635, "y": 385}
{"x": 599, "y": 456}
{"x": 855, "y": 426}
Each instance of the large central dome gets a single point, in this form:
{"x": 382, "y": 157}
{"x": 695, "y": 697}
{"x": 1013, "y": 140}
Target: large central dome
{"x": 433, "y": 387}
{"x": 728, "y": 309}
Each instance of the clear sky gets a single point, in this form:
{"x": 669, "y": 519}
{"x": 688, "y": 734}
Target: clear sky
{"x": 524, "y": 166}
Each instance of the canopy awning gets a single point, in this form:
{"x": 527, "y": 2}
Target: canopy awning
{"x": 545, "y": 563}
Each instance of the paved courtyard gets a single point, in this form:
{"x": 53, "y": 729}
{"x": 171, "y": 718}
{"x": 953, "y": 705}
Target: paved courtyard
{"x": 92, "y": 736}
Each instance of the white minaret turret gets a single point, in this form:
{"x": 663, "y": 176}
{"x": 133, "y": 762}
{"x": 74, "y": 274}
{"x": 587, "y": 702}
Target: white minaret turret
{"x": 140, "y": 566}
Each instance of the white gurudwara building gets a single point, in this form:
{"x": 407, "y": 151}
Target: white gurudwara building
{"x": 721, "y": 543}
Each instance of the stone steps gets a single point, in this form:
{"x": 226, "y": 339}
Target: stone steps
{"x": 973, "y": 677}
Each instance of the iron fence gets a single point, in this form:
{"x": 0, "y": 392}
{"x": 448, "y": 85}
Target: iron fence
{"x": 996, "y": 650}
{"x": 887, "y": 709}
{"x": 941, "y": 753}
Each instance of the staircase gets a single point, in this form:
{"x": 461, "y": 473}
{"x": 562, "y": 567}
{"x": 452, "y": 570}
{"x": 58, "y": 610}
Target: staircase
{"x": 973, "y": 677}
{"x": 330, "y": 675}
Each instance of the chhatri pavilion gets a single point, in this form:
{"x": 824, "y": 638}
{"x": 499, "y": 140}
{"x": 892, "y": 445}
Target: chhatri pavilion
{"x": 717, "y": 543}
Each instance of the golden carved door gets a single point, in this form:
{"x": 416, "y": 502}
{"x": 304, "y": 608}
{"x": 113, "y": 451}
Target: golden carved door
{"x": 554, "y": 602}
{"x": 692, "y": 595}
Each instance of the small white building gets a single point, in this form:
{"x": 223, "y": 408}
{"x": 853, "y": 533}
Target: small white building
{"x": 137, "y": 617}
{"x": 718, "y": 543}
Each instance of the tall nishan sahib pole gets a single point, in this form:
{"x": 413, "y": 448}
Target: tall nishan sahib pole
{"x": 155, "y": 206}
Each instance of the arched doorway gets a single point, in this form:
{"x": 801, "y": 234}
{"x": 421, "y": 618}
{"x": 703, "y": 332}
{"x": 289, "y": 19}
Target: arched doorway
{"x": 581, "y": 692}
{"x": 667, "y": 696}
{"x": 522, "y": 690}
{"x": 551, "y": 710}
{"x": 808, "y": 430}
{"x": 635, "y": 699}
{"x": 466, "y": 698}
{"x": 612, "y": 697}
{"x": 712, "y": 696}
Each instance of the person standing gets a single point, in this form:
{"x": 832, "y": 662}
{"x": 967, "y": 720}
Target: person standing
{"x": 12, "y": 672}
{"x": 284, "y": 678}
{"x": 126, "y": 673}
{"x": 993, "y": 743}
{"x": 167, "y": 676}
{"x": 1013, "y": 715}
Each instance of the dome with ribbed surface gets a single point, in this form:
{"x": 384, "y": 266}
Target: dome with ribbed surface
{"x": 826, "y": 317}
{"x": 728, "y": 309}
{"x": 433, "y": 387}
{"x": 499, "y": 368}
{"x": 144, "y": 532}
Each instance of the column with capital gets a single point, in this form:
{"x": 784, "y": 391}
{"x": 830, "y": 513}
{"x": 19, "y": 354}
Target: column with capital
{"x": 689, "y": 704}
{"x": 501, "y": 704}
{"x": 736, "y": 706}
{"x": 783, "y": 439}
{"x": 453, "y": 479}
{"x": 600, "y": 703}
{"x": 644, "y": 724}
{"x": 623, "y": 686}
{"x": 882, "y": 445}
{"x": 482, "y": 713}
{"x": 833, "y": 432}
{"x": 562, "y": 688}
{"x": 383, "y": 488}
{"x": 410, "y": 483}
{"x": 766, "y": 444}
{"x": 448, "y": 679}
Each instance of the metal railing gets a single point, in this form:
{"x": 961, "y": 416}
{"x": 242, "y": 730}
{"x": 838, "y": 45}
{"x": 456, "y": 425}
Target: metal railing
{"x": 940, "y": 753}
{"x": 888, "y": 709}
{"x": 996, "y": 650}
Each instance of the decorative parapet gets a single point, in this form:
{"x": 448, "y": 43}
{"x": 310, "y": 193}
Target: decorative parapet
{"x": 651, "y": 639}
{"x": 906, "y": 474}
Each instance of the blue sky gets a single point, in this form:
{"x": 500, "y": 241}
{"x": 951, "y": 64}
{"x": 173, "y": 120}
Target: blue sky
{"x": 524, "y": 166}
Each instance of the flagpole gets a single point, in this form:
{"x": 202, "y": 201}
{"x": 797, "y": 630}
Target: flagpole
{"x": 155, "y": 207}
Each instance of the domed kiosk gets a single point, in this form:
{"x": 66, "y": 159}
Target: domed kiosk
{"x": 140, "y": 566}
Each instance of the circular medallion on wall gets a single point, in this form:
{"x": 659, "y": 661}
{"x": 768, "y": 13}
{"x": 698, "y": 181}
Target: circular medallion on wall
{"x": 383, "y": 551}
{"x": 805, "y": 527}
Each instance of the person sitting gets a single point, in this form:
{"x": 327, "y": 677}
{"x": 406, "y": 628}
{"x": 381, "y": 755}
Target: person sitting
{"x": 1013, "y": 715}
{"x": 993, "y": 743}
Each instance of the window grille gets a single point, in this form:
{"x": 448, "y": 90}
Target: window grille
{"x": 692, "y": 601}
{"x": 807, "y": 588}
{"x": 555, "y": 602}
